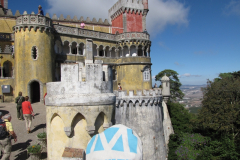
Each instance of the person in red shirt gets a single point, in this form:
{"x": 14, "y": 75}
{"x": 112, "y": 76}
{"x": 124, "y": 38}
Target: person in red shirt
{"x": 27, "y": 113}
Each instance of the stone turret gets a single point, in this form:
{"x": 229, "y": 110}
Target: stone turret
{"x": 144, "y": 113}
{"x": 79, "y": 106}
{"x": 166, "y": 88}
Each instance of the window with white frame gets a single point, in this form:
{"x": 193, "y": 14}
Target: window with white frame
{"x": 146, "y": 74}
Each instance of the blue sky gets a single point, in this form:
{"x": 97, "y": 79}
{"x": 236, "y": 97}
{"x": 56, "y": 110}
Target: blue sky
{"x": 197, "y": 38}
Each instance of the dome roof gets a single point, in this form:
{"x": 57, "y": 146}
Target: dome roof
{"x": 165, "y": 78}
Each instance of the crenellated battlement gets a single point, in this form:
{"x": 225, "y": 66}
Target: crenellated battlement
{"x": 134, "y": 6}
{"x": 75, "y": 19}
{"x": 151, "y": 96}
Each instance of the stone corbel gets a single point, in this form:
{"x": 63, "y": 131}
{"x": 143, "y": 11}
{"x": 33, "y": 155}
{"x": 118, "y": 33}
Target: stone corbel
{"x": 90, "y": 129}
{"x": 68, "y": 131}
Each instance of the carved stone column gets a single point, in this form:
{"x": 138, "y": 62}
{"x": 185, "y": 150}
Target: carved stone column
{"x": 117, "y": 52}
{"x": 97, "y": 52}
{"x": 147, "y": 52}
{"x": 77, "y": 49}
{"x": 143, "y": 51}
{"x": 104, "y": 52}
{"x": 137, "y": 50}
{"x": 70, "y": 48}
{"x": 84, "y": 50}
{"x": 2, "y": 72}
{"x": 110, "y": 53}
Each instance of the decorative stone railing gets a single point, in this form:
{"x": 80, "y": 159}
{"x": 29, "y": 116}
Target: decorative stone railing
{"x": 101, "y": 35}
{"x": 132, "y": 35}
{"x": 33, "y": 20}
{"x": 7, "y": 36}
{"x": 83, "y": 32}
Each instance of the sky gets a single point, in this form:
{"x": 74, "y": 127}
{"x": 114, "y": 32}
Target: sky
{"x": 197, "y": 38}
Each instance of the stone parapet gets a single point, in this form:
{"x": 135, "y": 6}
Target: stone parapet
{"x": 32, "y": 19}
{"x": 124, "y": 5}
{"x": 72, "y": 91}
{"x": 145, "y": 97}
{"x": 140, "y": 36}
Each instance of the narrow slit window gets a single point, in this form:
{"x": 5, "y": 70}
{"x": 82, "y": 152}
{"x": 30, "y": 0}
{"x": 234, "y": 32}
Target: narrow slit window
{"x": 34, "y": 53}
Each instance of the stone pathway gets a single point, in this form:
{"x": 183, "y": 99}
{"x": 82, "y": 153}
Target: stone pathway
{"x": 19, "y": 149}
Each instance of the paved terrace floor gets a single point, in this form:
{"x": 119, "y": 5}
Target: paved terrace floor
{"x": 19, "y": 149}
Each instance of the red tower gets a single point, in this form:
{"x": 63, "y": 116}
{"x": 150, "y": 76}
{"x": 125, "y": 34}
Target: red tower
{"x": 4, "y": 4}
{"x": 128, "y": 16}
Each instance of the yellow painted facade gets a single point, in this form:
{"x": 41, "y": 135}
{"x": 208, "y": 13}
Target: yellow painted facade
{"x": 27, "y": 68}
{"x": 78, "y": 118}
{"x": 129, "y": 70}
{"x": 7, "y": 24}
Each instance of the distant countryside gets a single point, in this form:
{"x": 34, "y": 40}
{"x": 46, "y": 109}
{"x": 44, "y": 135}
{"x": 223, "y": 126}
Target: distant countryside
{"x": 193, "y": 97}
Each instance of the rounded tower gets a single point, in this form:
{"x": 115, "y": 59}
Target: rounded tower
{"x": 33, "y": 55}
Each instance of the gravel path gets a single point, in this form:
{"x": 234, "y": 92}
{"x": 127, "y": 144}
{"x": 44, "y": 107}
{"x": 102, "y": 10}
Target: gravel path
{"x": 19, "y": 151}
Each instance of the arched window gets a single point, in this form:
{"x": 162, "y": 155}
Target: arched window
{"x": 7, "y": 69}
{"x": 65, "y": 47}
{"x": 81, "y": 49}
{"x": 58, "y": 47}
{"x": 74, "y": 48}
{"x": 94, "y": 50}
{"x": 101, "y": 53}
{"x": 107, "y": 51}
{"x": 34, "y": 53}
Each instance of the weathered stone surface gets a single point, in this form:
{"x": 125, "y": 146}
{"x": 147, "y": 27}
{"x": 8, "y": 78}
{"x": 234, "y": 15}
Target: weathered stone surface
{"x": 94, "y": 20}
{"x": 72, "y": 91}
{"x": 75, "y": 18}
{"x": 89, "y": 49}
{"x": 17, "y": 13}
{"x": 141, "y": 112}
{"x": 9, "y": 12}
{"x": 54, "y": 17}
{"x": 81, "y": 19}
{"x": 68, "y": 18}
{"x": 47, "y": 15}
{"x": 61, "y": 17}
{"x": 88, "y": 20}
{"x": 1, "y": 12}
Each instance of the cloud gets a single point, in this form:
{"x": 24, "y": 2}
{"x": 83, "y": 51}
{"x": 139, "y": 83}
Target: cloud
{"x": 188, "y": 75}
{"x": 233, "y": 8}
{"x": 210, "y": 52}
{"x": 162, "y": 44}
{"x": 161, "y": 12}
{"x": 166, "y": 12}
{"x": 178, "y": 64}
{"x": 85, "y": 8}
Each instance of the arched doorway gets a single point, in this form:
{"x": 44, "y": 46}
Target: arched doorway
{"x": 35, "y": 92}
